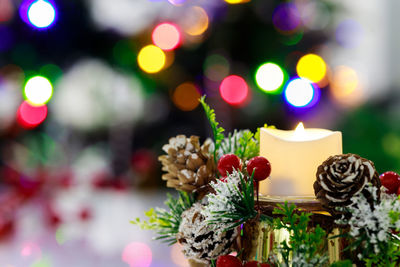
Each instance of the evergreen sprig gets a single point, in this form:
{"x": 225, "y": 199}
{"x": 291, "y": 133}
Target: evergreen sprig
{"x": 240, "y": 197}
{"x": 166, "y": 222}
{"x": 242, "y": 144}
{"x": 216, "y": 129}
{"x": 305, "y": 247}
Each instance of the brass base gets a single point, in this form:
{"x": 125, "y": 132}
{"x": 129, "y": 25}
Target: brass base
{"x": 268, "y": 237}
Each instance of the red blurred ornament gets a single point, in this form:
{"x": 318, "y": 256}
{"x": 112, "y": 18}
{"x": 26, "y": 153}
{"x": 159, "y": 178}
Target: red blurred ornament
{"x": 228, "y": 261}
{"x": 229, "y": 162}
{"x": 391, "y": 181}
{"x": 260, "y": 166}
{"x": 85, "y": 214}
{"x": 143, "y": 161}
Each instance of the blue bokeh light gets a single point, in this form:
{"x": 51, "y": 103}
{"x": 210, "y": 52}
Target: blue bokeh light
{"x": 301, "y": 93}
{"x": 40, "y": 14}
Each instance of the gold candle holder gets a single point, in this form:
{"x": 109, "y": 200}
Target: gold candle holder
{"x": 268, "y": 237}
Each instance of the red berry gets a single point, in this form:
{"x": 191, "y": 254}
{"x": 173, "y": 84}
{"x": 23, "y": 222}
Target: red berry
{"x": 228, "y": 261}
{"x": 398, "y": 191}
{"x": 391, "y": 181}
{"x": 229, "y": 162}
{"x": 256, "y": 264}
{"x": 260, "y": 166}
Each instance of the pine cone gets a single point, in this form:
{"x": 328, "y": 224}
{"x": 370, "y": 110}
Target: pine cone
{"x": 201, "y": 241}
{"x": 341, "y": 177}
{"x": 189, "y": 166}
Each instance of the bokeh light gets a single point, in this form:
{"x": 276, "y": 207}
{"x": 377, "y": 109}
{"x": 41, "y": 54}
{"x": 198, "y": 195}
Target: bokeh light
{"x": 38, "y": 90}
{"x": 301, "y": 93}
{"x": 286, "y": 18}
{"x": 151, "y": 59}
{"x": 29, "y": 116}
{"x": 311, "y": 67}
{"x": 6, "y": 10}
{"x": 232, "y": 2}
{"x": 234, "y": 90}
{"x": 41, "y": 14}
{"x": 186, "y": 96}
{"x": 270, "y": 77}
{"x": 216, "y": 67}
{"x": 166, "y": 36}
{"x": 349, "y": 33}
{"x": 345, "y": 86}
{"x": 177, "y": 2}
{"x": 315, "y": 15}
{"x": 195, "y": 22}
{"x": 137, "y": 255}
{"x": 31, "y": 250}
{"x": 292, "y": 39}
{"x": 177, "y": 256}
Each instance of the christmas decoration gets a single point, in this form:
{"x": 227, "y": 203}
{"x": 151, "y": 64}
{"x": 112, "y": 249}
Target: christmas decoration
{"x": 341, "y": 177}
{"x": 391, "y": 181}
{"x": 233, "y": 201}
{"x": 228, "y": 261}
{"x": 202, "y": 241}
{"x": 373, "y": 239}
{"x": 259, "y": 167}
{"x": 228, "y": 163}
{"x": 189, "y": 165}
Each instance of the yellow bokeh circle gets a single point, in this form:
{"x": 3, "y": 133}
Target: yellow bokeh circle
{"x": 311, "y": 67}
{"x": 151, "y": 59}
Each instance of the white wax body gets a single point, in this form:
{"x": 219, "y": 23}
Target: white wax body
{"x": 295, "y": 159}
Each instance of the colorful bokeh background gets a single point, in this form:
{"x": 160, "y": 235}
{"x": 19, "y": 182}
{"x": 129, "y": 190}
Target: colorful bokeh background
{"x": 90, "y": 90}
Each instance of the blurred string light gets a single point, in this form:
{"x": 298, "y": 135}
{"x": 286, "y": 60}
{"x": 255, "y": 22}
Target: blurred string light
{"x": 195, "y": 21}
{"x": 6, "y": 10}
{"x": 301, "y": 93}
{"x": 38, "y": 90}
{"x": 177, "y": 2}
{"x": 91, "y": 95}
{"x": 186, "y": 96}
{"x": 315, "y": 15}
{"x": 349, "y": 33}
{"x": 30, "y": 116}
{"x": 177, "y": 256}
{"x": 151, "y": 59}
{"x": 128, "y": 17}
{"x": 137, "y": 255}
{"x": 237, "y": 1}
{"x": 38, "y": 13}
{"x": 345, "y": 86}
{"x": 31, "y": 250}
{"x": 166, "y": 36}
{"x": 51, "y": 71}
{"x": 292, "y": 39}
{"x": 311, "y": 67}
{"x": 234, "y": 90}
{"x": 286, "y": 18}
{"x": 216, "y": 67}
{"x": 270, "y": 77}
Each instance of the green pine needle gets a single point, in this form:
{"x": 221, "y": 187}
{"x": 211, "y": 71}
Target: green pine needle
{"x": 216, "y": 129}
{"x": 166, "y": 223}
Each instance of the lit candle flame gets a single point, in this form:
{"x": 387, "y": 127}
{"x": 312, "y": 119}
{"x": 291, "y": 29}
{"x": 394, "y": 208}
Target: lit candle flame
{"x": 299, "y": 128}
{"x": 299, "y": 132}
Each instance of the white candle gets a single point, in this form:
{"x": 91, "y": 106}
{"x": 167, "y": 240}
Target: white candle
{"x": 295, "y": 157}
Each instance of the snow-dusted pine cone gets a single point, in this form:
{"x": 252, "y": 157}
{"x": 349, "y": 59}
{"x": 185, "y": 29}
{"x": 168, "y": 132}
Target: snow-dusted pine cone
{"x": 341, "y": 177}
{"x": 201, "y": 241}
{"x": 189, "y": 165}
